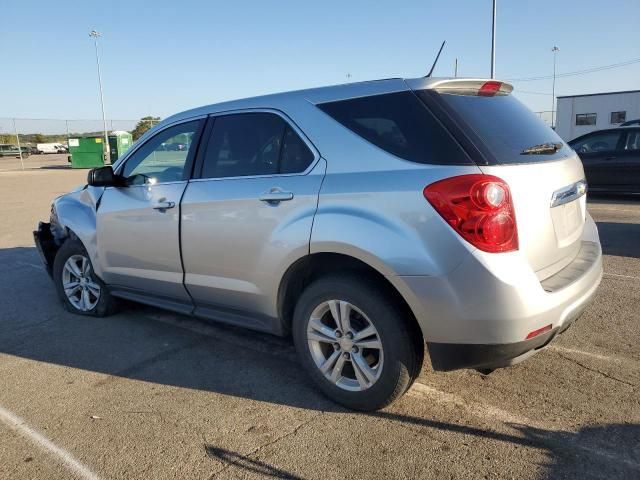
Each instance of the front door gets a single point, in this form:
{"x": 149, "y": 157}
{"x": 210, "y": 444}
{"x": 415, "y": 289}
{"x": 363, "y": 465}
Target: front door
{"x": 138, "y": 224}
{"x": 249, "y": 215}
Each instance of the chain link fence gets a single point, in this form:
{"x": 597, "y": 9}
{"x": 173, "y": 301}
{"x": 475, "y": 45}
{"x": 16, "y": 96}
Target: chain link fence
{"x": 52, "y": 130}
{"x": 22, "y": 135}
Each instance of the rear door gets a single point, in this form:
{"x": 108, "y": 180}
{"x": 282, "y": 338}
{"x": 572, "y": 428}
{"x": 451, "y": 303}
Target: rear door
{"x": 138, "y": 223}
{"x": 507, "y": 140}
{"x": 599, "y": 152}
{"x": 248, "y": 215}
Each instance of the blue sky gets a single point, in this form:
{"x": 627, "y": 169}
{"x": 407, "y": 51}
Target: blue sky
{"x": 160, "y": 57}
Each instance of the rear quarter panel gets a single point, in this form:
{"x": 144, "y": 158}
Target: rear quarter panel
{"x": 383, "y": 219}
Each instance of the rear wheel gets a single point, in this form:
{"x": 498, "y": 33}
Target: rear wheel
{"x": 356, "y": 342}
{"x": 78, "y": 287}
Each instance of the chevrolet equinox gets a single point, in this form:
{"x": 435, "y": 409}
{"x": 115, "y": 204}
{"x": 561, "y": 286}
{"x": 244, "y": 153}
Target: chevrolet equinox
{"x": 368, "y": 220}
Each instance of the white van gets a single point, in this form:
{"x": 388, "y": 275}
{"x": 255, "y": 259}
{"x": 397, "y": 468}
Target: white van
{"x": 50, "y": 148}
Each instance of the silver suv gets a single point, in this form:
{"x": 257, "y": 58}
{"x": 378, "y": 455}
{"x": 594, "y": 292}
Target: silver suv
{"x": 365, "y": 219}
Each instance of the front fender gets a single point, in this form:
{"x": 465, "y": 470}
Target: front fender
{"x": 75, "y": 213}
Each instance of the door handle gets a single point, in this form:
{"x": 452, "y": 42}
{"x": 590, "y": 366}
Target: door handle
{"x": 276, "y": 196}
{"x": 164, "y": 205}
{"x": 610, "y": 158}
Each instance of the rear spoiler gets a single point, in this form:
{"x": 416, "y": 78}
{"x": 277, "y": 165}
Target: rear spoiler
{"x": 463, "y": 86}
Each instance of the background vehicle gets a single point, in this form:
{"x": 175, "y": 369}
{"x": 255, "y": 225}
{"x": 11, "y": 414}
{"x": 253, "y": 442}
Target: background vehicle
{"x": 365, "y": 219}
{"x": 51, "y": 148}
{"x": 8, "y": 150}
{"x": 611, "y": 159}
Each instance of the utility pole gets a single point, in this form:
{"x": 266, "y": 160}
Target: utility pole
{"x": 95, "y": 35}
{"x": 555, "y": 51}
{"x": 455, "y": 70}
{"x": 18, "y": 140}
{"x": 493, "y": 42}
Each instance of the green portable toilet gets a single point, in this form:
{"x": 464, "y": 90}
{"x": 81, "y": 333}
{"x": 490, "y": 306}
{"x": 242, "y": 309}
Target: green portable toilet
{"x": 86, "y": 152}
{"x": 119, "y": 142}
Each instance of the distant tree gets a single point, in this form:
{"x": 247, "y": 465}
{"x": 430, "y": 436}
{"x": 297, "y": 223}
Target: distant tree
{"x": 39, "y": 138}
{"x": 143, "y": 125}
{"x": 4, "y": 138}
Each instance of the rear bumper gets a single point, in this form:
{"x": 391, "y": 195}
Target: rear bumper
{"x": 479, "y": 315}
{"x": 452, "y": 356}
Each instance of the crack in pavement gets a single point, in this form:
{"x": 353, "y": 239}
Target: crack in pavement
{"x": 127, "y": 372}
{"x": 256, "y": 450}
{"x": 595, "y": 370}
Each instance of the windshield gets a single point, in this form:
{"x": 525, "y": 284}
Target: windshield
{"x": 506, "y": 127}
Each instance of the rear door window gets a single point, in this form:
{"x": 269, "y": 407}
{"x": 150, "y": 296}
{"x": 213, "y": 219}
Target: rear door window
{"x": 251, "y": 144}
{"x": 295, "y": 156}
{"x": 399, "y": 124}
{"x": 598, "y": 142}
{"x": 503, "y": 124}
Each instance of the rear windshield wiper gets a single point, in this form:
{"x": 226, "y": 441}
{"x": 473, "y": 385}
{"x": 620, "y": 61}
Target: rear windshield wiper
{"x": 542, "y": 149}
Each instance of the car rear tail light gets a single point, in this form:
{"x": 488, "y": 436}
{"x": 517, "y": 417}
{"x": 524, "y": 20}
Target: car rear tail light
{"x": 535, "y": 333}
{"x": 478, "y": 207}
{"x": 490, "y": 88}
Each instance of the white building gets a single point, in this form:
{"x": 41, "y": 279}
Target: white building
{"x": 580, "y": 114}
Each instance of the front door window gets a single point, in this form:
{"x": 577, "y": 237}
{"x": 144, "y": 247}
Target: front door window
{"x": 164, "y": 158}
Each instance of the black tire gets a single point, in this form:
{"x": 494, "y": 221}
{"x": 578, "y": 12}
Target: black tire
{"x": 106, "y": 304}
{"x": 402, "y": 342}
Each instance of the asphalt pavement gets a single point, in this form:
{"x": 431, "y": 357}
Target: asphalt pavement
{"x": 151, "y": 394}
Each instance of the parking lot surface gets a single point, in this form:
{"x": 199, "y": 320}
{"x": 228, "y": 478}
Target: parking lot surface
{"x": 151, "y": 394}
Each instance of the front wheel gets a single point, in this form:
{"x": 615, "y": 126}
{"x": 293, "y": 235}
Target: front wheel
{"x": 356, "y": 342}
{"x": 80, "y": 290}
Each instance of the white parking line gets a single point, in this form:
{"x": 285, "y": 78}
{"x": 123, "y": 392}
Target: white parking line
{"x": 583, "y": 352}
{"x": 28, "y": 264}
{"x": 616, "y": 210}
{"x": 621, "y": 276}
{"x": 18, "y": 424}
{"x": 483, "y": 411}
{"x": 479, "y": 409}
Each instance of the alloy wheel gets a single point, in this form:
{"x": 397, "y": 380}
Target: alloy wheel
{"x": 79, "y": 287}
{"x": 345, "y": 345}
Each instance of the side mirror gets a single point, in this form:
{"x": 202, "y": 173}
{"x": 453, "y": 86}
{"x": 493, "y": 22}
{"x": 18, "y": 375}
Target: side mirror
{"x": 103, "y": 177}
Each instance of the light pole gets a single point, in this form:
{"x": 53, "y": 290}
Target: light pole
{"x": 555, "y": 51}
{"x": 93, "y": 34}
{"x": 493, "y": 42}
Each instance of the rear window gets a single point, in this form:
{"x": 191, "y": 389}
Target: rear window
{"x": 399, "y": 124}
{"x": 504, "y": 125}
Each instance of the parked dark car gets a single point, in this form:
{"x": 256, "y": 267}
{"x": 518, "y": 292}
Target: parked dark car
{"x": 611, "y": 159}
{"x": 8, "y": 150}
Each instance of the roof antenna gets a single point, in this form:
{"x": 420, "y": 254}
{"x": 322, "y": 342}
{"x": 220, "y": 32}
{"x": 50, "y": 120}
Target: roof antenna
{"x": 436, "y": 60}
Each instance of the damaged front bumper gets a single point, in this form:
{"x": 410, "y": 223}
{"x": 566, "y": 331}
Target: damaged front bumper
{"x": 46, "y": 245}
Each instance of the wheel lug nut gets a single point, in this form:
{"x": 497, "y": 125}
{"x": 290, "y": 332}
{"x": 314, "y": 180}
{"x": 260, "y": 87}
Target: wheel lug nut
{"x": 338, "y": 334}
{"x": 349, "y": 335}
{"x": 346, "y": 356}
{"x": 354, "y": 350}
{"x": 336, "y": 346}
